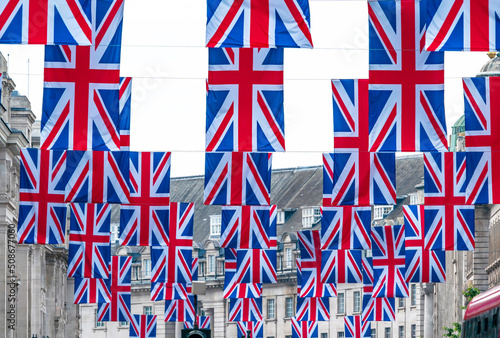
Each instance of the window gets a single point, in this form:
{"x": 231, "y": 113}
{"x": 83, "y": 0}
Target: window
{"x": 115, "y": 236}
{"x": 340, "y": 334}
{"x": 289, "y": 307}
{"x": 413, "y": 296}
{"x": 123, "y": 324}
{"x": 401, "y": 302}
{"x": 97, "y": 323}
{"x": 288, "y": 336}
{"x": 413, "y": 199}
{"x": 148, "y": 310}
{"x": 324, "y": 335}
{"x": 340, "y": 303}
{"x": 211, "y": 264}
{"x": 146, "y": 263}
{"x": 288, "y": 258}
{"x": 373, "y": 333}
{"x": 280, "y": 217}
{"x": 387, "y": 332}
{"x": 413, "y": 331}
{"x": 215, "y": 222}
{"x": 270, "y": 309}
{"x": 136, "y": 272}
{"x": 357, "y": 301}
{"x": 380, "y": 211}
{"x": 310, "y": 216}
{"x": 401, "y": 332}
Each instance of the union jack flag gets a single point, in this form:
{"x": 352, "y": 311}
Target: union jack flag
{"x": 318, "y": 289}
{"x": 406, "y": 91}
{"x": 248, "y": 227}
{"x": 367, "y": 263}
{"x": 89, "y": 240}
{"x": 233, "y": 286}
{"x": 194, "y": 268}
{"x": 256, "y": 265}
{"x": 341, "y": 266}
{"x": 166, "y": 291}
{"x": 481, "y": 119}
{"x": 425, "y": 266}
{"x": 97, "y": 177}
{"x": 252, "y": 23}
{"x": 81, "y": 87}
{"x": 313, "y": 309}
{"x": 356, "y": 328}
{"x": 483, "y": 187}
{"x": 388, "y": 248}
{"x": 237, "y": 179}
{"x": 180, "y": 310}
{"x": 143, "y": 326}
{"x": 346, "y": 228}
{"x": 415, "y": 235}
{"x": 245, "y": 100}
{"x": 91, "y": 291}
{"x": 463, "y": 25}
{"x": 145, "y": 221}
{"x": 450, "y": 227}
{"x": 303, "y": 329}
{"x": 256, "y": 329}
{"x": 202, "y": 321}
{"x": 359, "y": 178}
{"x": 378, "y": 309}
{"x": 42, "y": 211}
{"x": 350, "y": 115}
{"x": 309, "y": 265}
{"x": 118, "y": 310}
{"x": 125, "y": 111}
{"x": 59, "y": 22}
{"x": 170, "y": 264}
{"x": 444, "y": 178}
{"x": 245, "y": 309}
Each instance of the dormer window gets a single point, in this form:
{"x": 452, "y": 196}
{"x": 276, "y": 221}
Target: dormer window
{"x": 310, "y": 216}
{"x": 280, "y": 217}
{"x": 413, "y": 199}
{"x": 380, "y": 211}
{"x": 215, "y": 224}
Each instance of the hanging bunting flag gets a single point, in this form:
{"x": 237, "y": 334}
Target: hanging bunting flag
{"x": 406, "y": 94}
{"x": 89, "y": 240}
{"x": 450, "y": 227}
{"x": 304, "y": 329}
{"x": 42, "y": 211}
{"x": 81, "y": 87}
{"x": 233, "y": 287}
{"x": 463, "y": 25}
{"x": 483, "y": 186}
{"x": 245, "y": 309}
{"x": 180, "y": 310}
{"x": 248, "y": 227}
{"x": 313, "y": 309}
{"x": 245, "y": 100}
{"x": 341, "y": 266}
{"x": 97, "y": 177}
{"x": 202, "y": 321}
{"x": 125, "y": 105}
{"x": 119, "y": 309}
{"x": 145, "y": 221}
{"x": 253, "y": 23}
{"x": 256, "y": 329}
{"x": 425, "y": 266}
{"x": 257, "y": 265}
{"x": 367, "y": 263}
{"x": 444, "y": 178}
{"x": 378, "y": 309}
{"x": 194, "y": 268}
{"x": 168, "y": 291}
{"x": 481, "y": 98}
{"x": 388, "y": 249}
{"x": 143, "y": 326}
{"x": 356, "y": 328}
{"x": 350, "y": 115}
{"x": 359, "y": 178}
{"x": 58, "y": 22}
{"x": 346, "y": 228}
{"x": 237, "y": 179}
{"x": 318, "y": 289}
{"x": 91, "y": 291}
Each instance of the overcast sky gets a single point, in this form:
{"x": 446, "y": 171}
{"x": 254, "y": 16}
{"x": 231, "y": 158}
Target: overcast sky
{"x": 163, "y": 49}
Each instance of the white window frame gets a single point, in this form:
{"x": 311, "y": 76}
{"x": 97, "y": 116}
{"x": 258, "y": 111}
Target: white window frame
{"x": 288, "y": 258}
{"x": 413, "y": 331}
{"x": 210, "y": 264}
{"x": 271, "y": 313}
{"x": 280, "y": 217}
{"x": 146, "y": 271}
{"x": 401, "y": 331}
{"x": 289, "y": 307}
{"x": 147, "y": 310}
{"x": 215, "y": 225}
{"x": 413, "y": 294}
{"x": 387, "y": 332}
{"x": 341, "y": 303}
{"x": 310, "y": 216}
{"x": 357, "y": 301}
{"x": 413, "y": 199}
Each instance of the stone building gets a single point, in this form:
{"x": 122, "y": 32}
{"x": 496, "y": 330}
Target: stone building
{"x": 35, "y": 298}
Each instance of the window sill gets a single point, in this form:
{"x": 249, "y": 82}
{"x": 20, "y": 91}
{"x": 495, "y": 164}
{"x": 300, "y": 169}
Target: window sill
{"x": 270, "y": 320}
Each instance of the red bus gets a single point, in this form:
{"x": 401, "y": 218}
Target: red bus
{"x": 481, "y": 315}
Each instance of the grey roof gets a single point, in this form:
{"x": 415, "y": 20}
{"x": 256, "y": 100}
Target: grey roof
{"x": 409, "y": 173}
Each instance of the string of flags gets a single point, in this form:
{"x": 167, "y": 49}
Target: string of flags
{"x": 85, "y": 158}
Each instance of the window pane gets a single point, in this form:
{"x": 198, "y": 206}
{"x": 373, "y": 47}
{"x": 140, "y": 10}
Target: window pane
{"x": 374, "y": 333}
{"x": 413, "y": 288}
{"x": 340, "y": 335}
{"x": 387, "y": 332}
{"x": 413, "y": 331}
{"x": 289, "y": 307}
{"x": 148, "y": 310}
{"x": 340, "y": 303}
{"x": 357, "y": 305}
{"x": 270, "y": 309}
{"x": 401, "y": 332}
{"x": 146, "y": 268}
